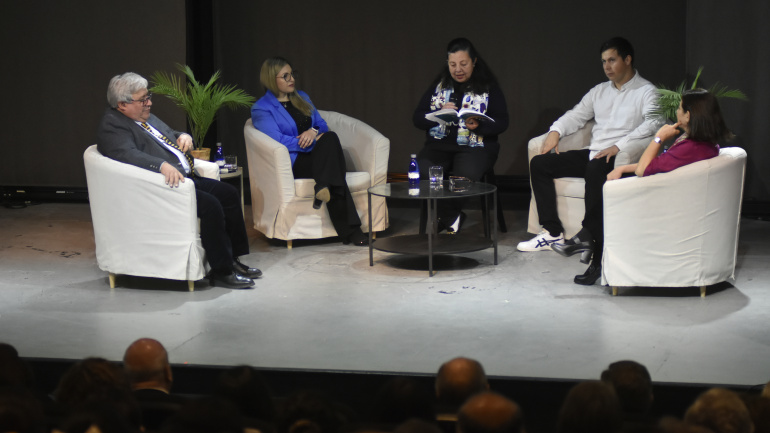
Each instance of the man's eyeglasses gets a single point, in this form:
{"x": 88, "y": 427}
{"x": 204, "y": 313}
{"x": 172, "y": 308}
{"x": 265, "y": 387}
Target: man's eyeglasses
{"x": 288, "y": 75}
{"x": 143, "y": 101}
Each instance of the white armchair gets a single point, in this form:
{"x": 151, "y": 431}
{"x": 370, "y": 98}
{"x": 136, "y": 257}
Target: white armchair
{"x": 141, "y": 226}
{"x": 282, "y": 206}
{"x": 676, "y": 229}
{"x": 570, "y": 191}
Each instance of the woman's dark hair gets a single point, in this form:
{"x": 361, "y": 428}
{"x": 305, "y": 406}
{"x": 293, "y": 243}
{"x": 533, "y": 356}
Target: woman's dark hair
{"x": 244, "y": 387}
{"x": 590, "y": 407}
{"x": 91, "y": 379}
{"x": 400, "y": 399}
{"x": 481, "y": 78}
{"x": 309, "y": 412}
{"x": 706, "y": 121}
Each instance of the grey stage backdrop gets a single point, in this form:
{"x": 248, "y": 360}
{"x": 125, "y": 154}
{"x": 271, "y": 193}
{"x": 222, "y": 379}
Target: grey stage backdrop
{"x": 371, "y": 60}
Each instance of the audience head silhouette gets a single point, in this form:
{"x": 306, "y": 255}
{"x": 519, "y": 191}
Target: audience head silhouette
{"x": 146, "y": 365}
{"x": 458, "y": 379}
{"x": 590, "y": 407}
{"x": 632, "y": 384}
{"x": 721, "y": 411}
{"x": 489, "y": 412}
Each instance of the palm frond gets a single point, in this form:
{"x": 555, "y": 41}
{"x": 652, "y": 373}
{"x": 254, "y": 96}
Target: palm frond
{"x": 200, "y": 102}
{"x": 669, "y": 100}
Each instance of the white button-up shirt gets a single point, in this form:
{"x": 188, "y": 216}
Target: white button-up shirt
{"x": 621, "y": 114}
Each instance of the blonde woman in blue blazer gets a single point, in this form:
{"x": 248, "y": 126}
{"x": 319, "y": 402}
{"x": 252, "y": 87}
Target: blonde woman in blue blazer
{"x": 288, "y": 116}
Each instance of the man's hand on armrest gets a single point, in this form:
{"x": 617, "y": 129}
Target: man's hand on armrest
{"x": 551, "y": 142}
{"x": 173, "y": 176}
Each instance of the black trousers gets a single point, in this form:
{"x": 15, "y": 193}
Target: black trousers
{"x": 470, "y": 162}
{"x": 544, "y": 169}
{"x": 223, "y": 231}
{"x": 325, "y": 164}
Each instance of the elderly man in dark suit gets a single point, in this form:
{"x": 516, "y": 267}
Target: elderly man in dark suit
{"x": 129, "y": 133}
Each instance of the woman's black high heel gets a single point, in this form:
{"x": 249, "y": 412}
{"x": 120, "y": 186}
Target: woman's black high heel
{"x": 321, "y": 196}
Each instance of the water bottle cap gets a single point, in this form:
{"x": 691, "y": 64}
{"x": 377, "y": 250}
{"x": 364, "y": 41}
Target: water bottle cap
{"x": 414, "y": 155}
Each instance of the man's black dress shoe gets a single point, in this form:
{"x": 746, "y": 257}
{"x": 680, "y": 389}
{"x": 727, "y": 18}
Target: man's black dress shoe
{"x": 357, "y": 238}
{"x": 573, "y": 246}
{"x": 233, "y": 280}
{"x": 590, "y": 276}
{"x": 245, "y": 270}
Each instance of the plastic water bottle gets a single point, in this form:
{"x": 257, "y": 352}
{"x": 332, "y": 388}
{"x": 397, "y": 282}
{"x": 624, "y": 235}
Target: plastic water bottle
{"x": 414, "y": 171}
{"x": 219, "y": 158}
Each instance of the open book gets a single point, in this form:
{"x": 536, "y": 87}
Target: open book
{"x": 449, "y": 115}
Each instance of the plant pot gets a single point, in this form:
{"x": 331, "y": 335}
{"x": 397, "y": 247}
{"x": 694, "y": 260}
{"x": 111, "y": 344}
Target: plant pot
{"x": 203, "y": 153}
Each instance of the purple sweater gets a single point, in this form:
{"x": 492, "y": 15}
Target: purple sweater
{"x": 685, "y": 152}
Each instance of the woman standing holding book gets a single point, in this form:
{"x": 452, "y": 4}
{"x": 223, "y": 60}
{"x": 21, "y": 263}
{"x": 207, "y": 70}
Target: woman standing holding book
{"x": 465, "y": 147}
{"x": 288, "y": 116}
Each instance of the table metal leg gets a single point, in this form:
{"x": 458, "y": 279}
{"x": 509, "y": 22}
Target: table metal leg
{"x": 371, "y": 246}
{"x": 431, "y": 233}
{"x": 494, "y": 222}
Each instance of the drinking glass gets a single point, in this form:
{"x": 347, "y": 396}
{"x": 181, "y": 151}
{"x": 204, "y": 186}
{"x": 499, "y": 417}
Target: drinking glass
{"x": 231, "y": 163}
{"x": 436, "y": 175}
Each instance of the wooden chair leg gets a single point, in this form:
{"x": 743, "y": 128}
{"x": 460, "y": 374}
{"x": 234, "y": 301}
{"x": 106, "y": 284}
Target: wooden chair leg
{"x": 112, "y": 280}
{"x": 614, "y": 291}
{"x": 288, "y": 244}
{"x": 703, "y": 291}
{"x": 191, "y": 285}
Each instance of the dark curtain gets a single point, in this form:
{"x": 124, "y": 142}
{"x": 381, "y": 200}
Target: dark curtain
{"x": 373, "y": 60}
{"x": 370, "y": 60}
{"x": 58, "y": 58}
{"x": 731, "y": 41}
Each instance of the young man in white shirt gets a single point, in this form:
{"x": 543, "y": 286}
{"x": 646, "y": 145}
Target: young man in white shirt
{"x": 622, "y": 109}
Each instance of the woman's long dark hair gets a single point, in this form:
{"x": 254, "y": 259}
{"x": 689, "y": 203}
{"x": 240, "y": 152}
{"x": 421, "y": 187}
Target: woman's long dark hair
{"x": 706, "y": 121}
{"x": 482, "y": 77}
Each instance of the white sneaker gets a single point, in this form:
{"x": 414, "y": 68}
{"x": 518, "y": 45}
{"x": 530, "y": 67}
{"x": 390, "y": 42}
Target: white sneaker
{"x": 541, "y": 242}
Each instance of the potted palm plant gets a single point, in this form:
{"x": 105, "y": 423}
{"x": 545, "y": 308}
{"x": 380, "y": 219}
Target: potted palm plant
{"x": 669, "y": 99}
{"x": 200, "y": 102}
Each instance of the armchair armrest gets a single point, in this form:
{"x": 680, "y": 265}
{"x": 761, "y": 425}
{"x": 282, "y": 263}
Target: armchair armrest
{"x": 207, "y": 169}
{"x": 269, "y": 162}
{"x": 365, "y": 148}
{"x": 579, "y": 140}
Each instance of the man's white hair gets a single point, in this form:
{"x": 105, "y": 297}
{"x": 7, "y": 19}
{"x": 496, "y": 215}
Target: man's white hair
{"x": 122, "y": 87}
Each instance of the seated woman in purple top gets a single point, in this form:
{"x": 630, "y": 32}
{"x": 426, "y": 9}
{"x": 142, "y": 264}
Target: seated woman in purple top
{"x": 701, "y": 119}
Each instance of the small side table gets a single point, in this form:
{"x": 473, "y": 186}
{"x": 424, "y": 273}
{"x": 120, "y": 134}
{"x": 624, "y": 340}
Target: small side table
{"x": 237, "y": 174}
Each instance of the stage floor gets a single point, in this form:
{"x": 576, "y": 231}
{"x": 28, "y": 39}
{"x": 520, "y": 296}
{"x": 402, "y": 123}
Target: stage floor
{"x": 321, "y": 306}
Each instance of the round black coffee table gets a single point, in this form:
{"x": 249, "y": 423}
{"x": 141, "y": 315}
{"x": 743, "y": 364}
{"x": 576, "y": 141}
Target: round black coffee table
{"x": 432, "y": 243}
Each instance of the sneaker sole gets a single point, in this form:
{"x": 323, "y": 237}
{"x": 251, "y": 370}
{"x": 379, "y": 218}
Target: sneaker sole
{"x": 533, "y": 250}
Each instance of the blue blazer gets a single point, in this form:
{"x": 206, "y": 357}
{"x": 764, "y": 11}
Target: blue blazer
{"x": 269, "y": 116}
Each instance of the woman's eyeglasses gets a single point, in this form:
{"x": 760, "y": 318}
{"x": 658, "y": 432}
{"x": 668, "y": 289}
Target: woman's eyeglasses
{"x": 287, "y": 76}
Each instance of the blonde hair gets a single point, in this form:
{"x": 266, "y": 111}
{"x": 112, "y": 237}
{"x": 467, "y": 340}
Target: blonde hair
{"x": 268, "y": 76}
